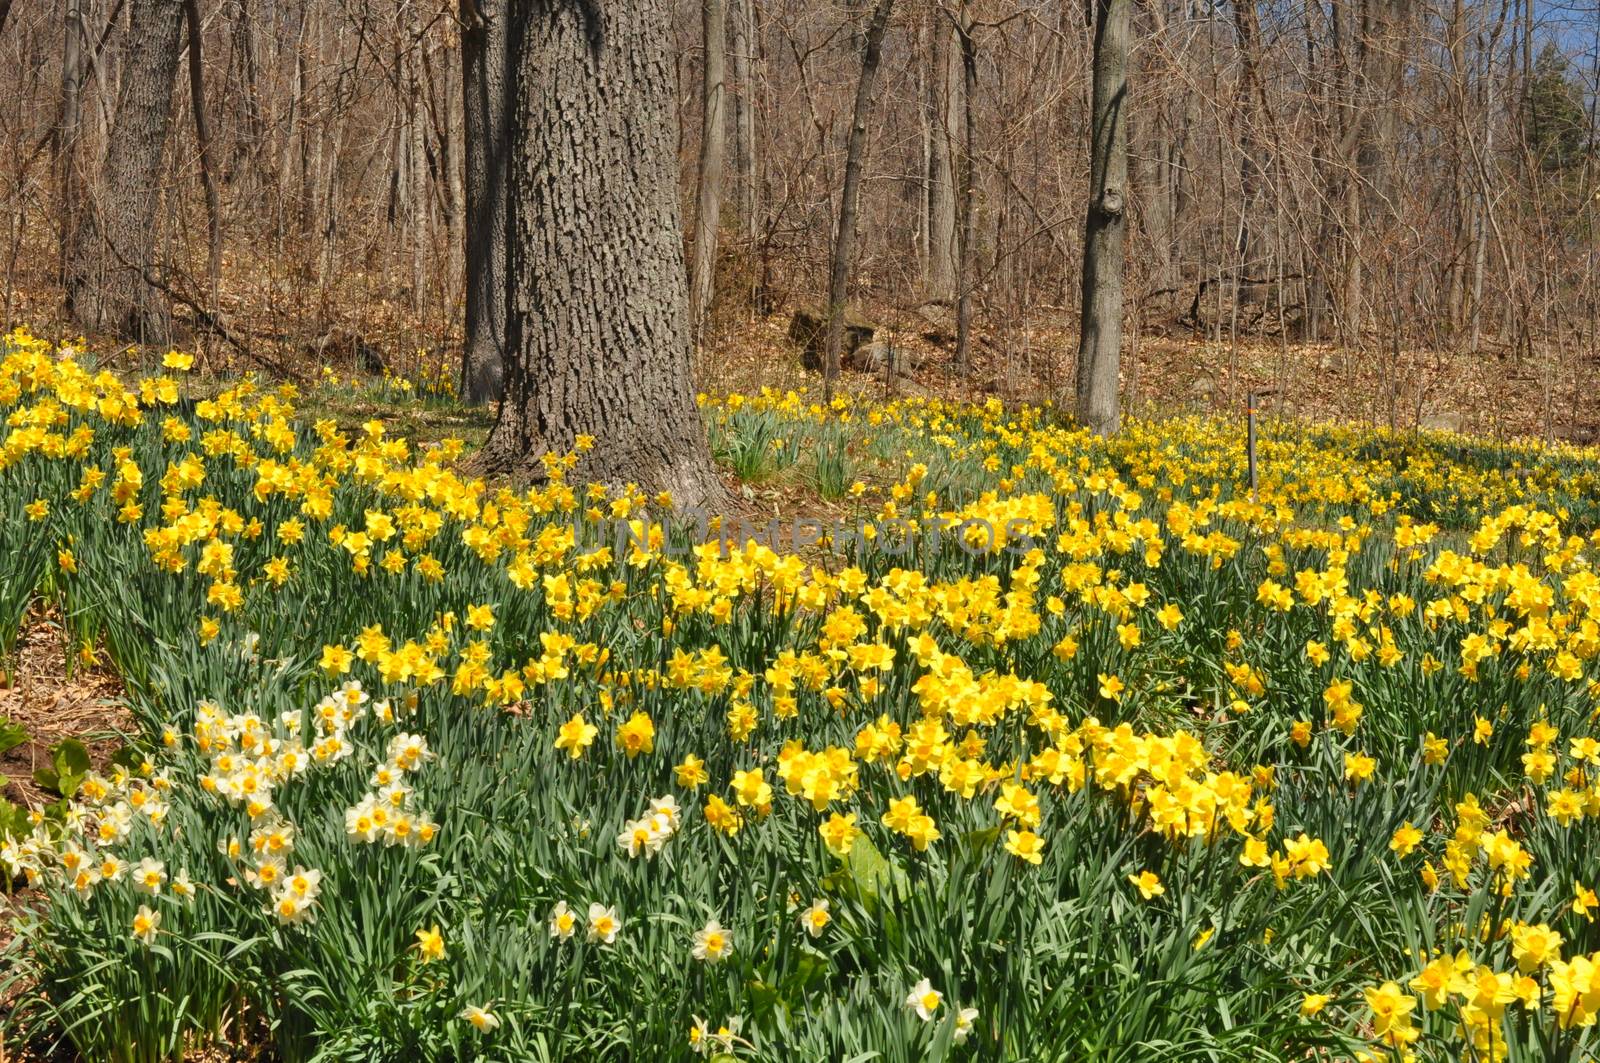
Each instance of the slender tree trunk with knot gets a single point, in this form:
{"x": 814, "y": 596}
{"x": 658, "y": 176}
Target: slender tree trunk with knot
{"x": 114, "y": 252}
{"x": 598, "y": 330}
{"x": 1105, "y": 228}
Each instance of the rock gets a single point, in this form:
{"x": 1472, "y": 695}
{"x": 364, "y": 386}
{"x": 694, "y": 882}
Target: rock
{"x": 907, "y": 387}
{"x": 349, "y": 347}
{"x": 1203, "y": 388}
{"x": 938, "y": 313}
{"x": 1252, "y": 293}
{"x": 808, "y": 328}
{"x": 941, "y": 320}
{"x": 885, "y": 358}
{"x": 877, "y": 357}
{"x": 1441, "y": 421}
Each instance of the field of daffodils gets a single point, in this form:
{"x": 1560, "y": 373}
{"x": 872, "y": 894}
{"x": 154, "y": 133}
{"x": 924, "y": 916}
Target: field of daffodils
{"x": 1051, "y": 748}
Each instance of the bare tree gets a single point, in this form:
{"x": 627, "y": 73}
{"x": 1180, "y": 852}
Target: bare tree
{"x": 966, "y": 263}
{"x": 1100, "y": 343}
{"x": 845, "y": 234}
{"x": 66, "y": 135}
{"x": 486, "y": 90}
{"x": 744, "y": 114}
{"x": 945, "y": 86}
{"x": 713, "y": 141}
{"x": 202, "y": 133}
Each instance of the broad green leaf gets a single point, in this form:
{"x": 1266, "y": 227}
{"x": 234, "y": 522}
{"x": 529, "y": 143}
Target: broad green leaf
{"x": 12, "y": 734}
{"x": 70, "y": 757}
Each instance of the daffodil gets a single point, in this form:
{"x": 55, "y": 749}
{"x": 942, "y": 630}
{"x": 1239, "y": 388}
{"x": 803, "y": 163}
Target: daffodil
{"x": 482, "y": 1019}
{"x": 1025, "y": 845}
{"x": 603, "y": 924}
{"x": 563, "y": 921}
{"x": 576, "y": 736}
{"x": 815, "y": 919}
{"x": 146, "y": 922}
{"x": 712, "y": 943}
{"x": 149, "y": 876}
{"x": 691, "y": 772}
{"x": 430, "y": 944}
{"x": 924, "y": 1000}
{"x": 1404, "y": 840}
{"x": 1148, "y": 884}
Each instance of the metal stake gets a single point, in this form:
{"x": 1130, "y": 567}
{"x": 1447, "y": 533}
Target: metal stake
{"x": 1252, "y": 398}
{"x": 1250, "y": 440}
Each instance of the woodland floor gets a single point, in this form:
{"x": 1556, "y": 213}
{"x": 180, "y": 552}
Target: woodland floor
{"x": 279, "y": 329}
{"x": 52, "y": 702}
{"x": 1490, "y": 393}
{"x": 49, "y": 700}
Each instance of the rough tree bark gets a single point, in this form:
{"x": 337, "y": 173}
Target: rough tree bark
{"x": 744, "y": 116}
{"x": 713, "y": 140}
{"x": 598, "y": 330}
{"x": 1249, "y": 112}
{"x": 66, "y": 138}
{"x": 1480, "y": 236}
{"x": 1105, "y": 226}
{"x": 202, "y": 135}
{"x": 487, "y": 85}
{"x": 246, "y": 95}
{"x": 1382, "y": 46}
{"x": 1349, "y": 86}
{"x": 943, "y": 86}
{"x": 416, "y": 161}
{"x": 1152, "y": 181}
{"x": 114, "y": 250}
{"x": 966, "y": 264}
{"x": 845, "y": 235}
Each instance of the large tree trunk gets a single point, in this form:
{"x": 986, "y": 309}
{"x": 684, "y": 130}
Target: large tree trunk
{"x": 114, "y": 253}
{"x": 598, "y": 331}
{"x": 1104, "y": 231}
{"x": 944, "y": 85}
{"x": 486, "y": 82}
{"x": 713, "y": 139}
{"x": 844, "y": 239}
